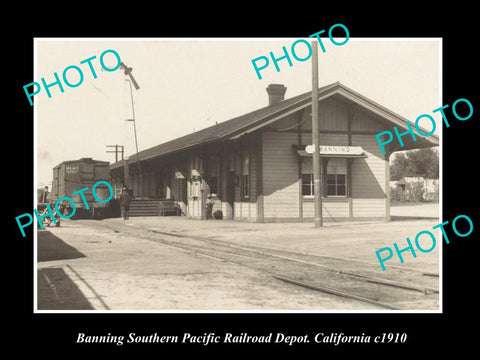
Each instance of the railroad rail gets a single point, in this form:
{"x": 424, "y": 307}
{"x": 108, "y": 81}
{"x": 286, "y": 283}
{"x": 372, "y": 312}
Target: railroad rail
{"x": 339, "y": 277}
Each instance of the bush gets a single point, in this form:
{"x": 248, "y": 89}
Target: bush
{"x": 397, "y": 195}
{"x": 414, "y": 192}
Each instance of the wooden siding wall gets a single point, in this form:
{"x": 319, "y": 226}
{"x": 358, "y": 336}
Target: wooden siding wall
{"x": 361, "y": 122}
{"x": 326, "y": 139}
{"x": 368, "y": 180}
{"x": 280, "y": 176}
{"x": 332, "y": 209}
{"x": 281, "y": 183}
{"x": 288, "y": 122}
{"x": 369, "y": 208}
{"x": 333, "y": 116}
{"x": 245, "y": 211}
{"x": 368, "y": 173}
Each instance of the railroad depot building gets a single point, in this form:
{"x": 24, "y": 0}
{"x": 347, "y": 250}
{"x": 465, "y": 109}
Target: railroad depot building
{"x": 259, "y": 168}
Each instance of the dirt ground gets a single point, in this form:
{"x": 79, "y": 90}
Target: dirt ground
{"x": 117, "y": 272}
{"x": 356, "y": 240}
{"x": 85, "y": 267}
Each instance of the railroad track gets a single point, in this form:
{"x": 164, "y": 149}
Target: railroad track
{"x": 349, "y": 279}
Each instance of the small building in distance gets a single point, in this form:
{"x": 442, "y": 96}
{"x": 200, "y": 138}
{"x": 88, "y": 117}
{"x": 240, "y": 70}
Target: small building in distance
{"x": 415, "y": 188}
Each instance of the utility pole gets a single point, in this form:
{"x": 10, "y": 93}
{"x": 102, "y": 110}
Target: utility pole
{"x": 125, "y": 172}
{"x": 134, "y": 125}
{"x": 317, "y": 184}
{"x": 118, "y": 149}
{"x": 128, "y": 71}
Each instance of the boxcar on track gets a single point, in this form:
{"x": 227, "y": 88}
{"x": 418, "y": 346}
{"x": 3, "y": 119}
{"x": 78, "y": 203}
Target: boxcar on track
{"x": 74, "y": 175}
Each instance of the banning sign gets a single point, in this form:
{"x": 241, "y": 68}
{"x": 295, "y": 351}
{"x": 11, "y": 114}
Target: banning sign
{"x": 336, "y": 150}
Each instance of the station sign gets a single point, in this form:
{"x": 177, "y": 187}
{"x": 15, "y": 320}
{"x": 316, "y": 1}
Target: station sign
{"x": 335, "y": 150}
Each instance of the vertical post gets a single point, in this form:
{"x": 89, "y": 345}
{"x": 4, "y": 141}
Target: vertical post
{"x": 125, "y": 172}
{"x": 116, "y": 151}
{"x": 316, "y": 139}
{"x": 205, "y": 189}
{"x": 387, "y": 186}
{"x": 259, "y": 177}
{"x": 126, "y": 179}
{"x": 134, "y": 129}
{"x": 299, "y": 165}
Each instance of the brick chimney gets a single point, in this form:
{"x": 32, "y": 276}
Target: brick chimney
{"x": 276, "y": 93}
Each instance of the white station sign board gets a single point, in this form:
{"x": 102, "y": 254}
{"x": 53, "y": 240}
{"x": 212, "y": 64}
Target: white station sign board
{"x": 335, "y": 150}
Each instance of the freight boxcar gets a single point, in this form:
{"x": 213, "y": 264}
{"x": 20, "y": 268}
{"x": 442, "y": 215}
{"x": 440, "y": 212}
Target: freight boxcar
{"x": 74, "y": 175}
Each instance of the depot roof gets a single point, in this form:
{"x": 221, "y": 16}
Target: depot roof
{"x": 89, "y": 161}
{"x": 252, "y": 121}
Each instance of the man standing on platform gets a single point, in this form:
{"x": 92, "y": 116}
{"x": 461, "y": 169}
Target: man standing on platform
{"x": 125, "y": 199}
{"x": 209, "y": 206}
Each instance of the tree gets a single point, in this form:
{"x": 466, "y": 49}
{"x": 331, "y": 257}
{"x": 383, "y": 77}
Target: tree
{"x": 402, "y": 166}
{"x": 425, "y": 161}
{"x": 421, "y": 162}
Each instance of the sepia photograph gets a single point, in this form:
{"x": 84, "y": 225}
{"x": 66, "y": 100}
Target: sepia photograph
{"x": 229, "y": 175}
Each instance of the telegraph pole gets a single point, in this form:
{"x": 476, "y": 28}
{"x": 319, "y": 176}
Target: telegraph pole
{"x": 317, "y": 184}
{"x": 134, "y": 124}
{"x": 118, "y": 149}
{"x": 128, "y": 71}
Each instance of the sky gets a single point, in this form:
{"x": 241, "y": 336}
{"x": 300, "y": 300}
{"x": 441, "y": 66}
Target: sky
{"x": 189, "y": 84}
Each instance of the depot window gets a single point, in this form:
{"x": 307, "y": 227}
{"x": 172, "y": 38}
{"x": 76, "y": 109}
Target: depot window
{"x": 307, "y": 177}
{"x": 334, "y": 177}
{"x": 337, "y": 177}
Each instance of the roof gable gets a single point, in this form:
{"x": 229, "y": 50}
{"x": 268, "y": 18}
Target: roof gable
{"x": 255, "y": 120}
